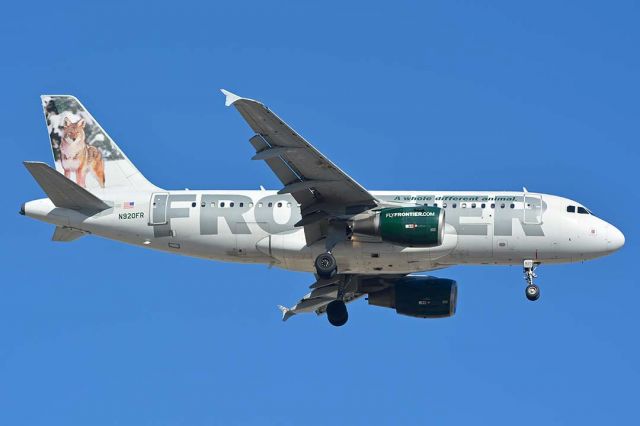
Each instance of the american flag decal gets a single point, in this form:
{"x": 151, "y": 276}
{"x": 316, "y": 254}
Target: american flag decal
{"x": 128, "y": 205}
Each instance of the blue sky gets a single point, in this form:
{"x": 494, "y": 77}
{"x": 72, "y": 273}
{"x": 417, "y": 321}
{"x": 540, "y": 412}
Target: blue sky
{"x": 437, "y": 95}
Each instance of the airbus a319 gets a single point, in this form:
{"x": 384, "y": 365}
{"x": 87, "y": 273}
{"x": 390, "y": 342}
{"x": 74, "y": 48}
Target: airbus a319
{"x": 355, "y": 241}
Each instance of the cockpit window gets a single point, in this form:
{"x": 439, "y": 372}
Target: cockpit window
{"x": 582, "y": 210}
{"x": 571, "y": 209}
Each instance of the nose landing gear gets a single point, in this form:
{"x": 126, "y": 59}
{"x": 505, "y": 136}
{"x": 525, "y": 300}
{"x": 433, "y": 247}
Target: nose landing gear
{"x": 532, "y": 291}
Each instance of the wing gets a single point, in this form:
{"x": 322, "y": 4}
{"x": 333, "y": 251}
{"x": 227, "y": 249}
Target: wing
{"x": 324, "y": 292}
{"x": 345, "y": 287}
{"x": 319, "y": 186}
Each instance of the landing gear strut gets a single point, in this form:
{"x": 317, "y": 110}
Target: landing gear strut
{"x": 337, "y": 313}
{"x": 326, "y": 266}
{"x": 532, "y": 291}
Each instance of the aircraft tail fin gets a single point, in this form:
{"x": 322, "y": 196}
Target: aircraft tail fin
{"x": 63, "y": 192}
{"x": 83, "y": 151}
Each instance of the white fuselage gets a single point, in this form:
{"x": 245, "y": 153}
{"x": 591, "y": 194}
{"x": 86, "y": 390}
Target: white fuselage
{"x": 258, "y": 227}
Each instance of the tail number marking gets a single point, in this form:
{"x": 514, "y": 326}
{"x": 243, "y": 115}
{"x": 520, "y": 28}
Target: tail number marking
{"x": 134, "y": 215}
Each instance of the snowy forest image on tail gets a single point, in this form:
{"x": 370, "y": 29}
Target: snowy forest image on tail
{"x": 80, "y": 146}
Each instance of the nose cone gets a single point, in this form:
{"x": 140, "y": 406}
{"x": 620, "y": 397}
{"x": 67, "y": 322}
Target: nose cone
{"x": 615, "y": 239}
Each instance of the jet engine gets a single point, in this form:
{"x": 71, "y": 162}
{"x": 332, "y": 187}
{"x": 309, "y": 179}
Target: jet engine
{"x": 415, "y": 296}
{"x": 411, "y": 226}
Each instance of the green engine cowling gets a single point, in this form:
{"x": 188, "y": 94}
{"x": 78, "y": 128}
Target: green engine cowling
{"x": 421, "y": 226}
{"x": 416, "y": 296}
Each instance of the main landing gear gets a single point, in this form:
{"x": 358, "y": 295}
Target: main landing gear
{"x": 326, "y": 266}
{"x": 337, "y": 313}
{"x": 532, "y": 291}
{"x": 336, "y": 310}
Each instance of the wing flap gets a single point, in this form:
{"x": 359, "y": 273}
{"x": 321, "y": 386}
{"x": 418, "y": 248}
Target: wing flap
{"x": 322, "y": 293}
{"x": 303, "y": 161}
{"x": 310, "y": 177}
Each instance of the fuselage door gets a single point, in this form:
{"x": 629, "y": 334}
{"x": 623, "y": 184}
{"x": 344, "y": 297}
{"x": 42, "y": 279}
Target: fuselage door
{"x": 158, "y": 208}
{"x": 532, "y": 204}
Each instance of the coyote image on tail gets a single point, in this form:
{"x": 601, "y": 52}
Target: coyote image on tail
{"x": 77, "y": 156}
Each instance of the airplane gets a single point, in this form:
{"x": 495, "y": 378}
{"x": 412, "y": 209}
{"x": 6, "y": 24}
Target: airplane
{"x": 356, "y": 242}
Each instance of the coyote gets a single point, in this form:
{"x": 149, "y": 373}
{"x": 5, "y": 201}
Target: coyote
{"x": 76, "y": 156}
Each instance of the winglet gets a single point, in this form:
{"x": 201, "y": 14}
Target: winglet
{"x": 230, "y": 97}
{"x": 286, "y": 312}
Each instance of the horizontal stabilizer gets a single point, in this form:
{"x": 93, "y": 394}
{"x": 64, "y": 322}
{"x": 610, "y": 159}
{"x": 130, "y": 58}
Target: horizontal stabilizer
{"x": 64, "y": 234}
{"x": 63, "y": 192}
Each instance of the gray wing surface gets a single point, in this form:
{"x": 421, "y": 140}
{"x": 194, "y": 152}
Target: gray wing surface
{"x": 319, "y": 186}
{"x": 322, "y": 293}
{"x": 345, "y": 287}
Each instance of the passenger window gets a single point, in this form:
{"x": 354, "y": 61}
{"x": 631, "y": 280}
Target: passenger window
{"x": 444, "y": 205}
{"x": 221, "y": 204}
{"x": 279, "y": 204}
{"x": 202, "y": 204}
{"x": 473, "y": 205}
{"x": 454, "y": 205}
{"x": 493, "y": 205}
{"x": 241, "y": 204}
{"x": 502, "y": 206}
{"x": 483, "y": 205}
{"x": 231, "y": 204}
{"x": 213, "y": 204}
{"x": 193, "y": 204}
{"x": 582, "y": 210}
{"x": 571, "y": 209}
{"x": 270, "y": 204}
{"x": 250, "y": 204}
{"x": 464, "y": 205}
{"x": 512, "y": 205}
{"x": 259, "y": 204}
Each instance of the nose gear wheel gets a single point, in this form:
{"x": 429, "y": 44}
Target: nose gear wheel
{"x": 532, "y": 291}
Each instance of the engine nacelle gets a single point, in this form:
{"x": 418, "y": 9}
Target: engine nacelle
{"x": 411, "y": 226}
{"x": 424, "y": 297}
